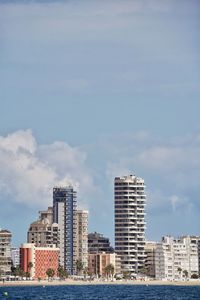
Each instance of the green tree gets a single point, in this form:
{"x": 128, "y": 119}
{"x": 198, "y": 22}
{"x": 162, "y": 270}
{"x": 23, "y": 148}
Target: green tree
{"x": 109, "y": 270}
{"x": 50, "y": 273}
{"x": 79, "y": 266}
{"x": 62, "y": 273}
{"x": 127, "y": 274}
{"x": 30, "y": 266}
{"x": 194, "y": 276}
{"x": 18, "y": 272}
{"x": 179, "y": 271}
{"x": 28, "y": 275}
{"x": 85, "y": 272}
{"x": 185, "y": 272}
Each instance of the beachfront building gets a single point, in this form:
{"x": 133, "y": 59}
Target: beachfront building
{"x": 37, "y": 260}
{"x": 82, "y": 237}
{"x": 149, "y": 265}
{"x": 64, "y": 214}
{"x": 43, "y": 232}
{"x": 98, "y": 243}
{"x": 98, "y": 262}
{"x": 15, "y": 256}
{"x": 176, "y": 259}
{"x": 5, "y": 252}
{"x": 130, "y": 200}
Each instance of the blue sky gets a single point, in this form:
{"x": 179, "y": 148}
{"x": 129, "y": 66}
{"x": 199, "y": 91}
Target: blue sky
{"x": 90, "y": 90}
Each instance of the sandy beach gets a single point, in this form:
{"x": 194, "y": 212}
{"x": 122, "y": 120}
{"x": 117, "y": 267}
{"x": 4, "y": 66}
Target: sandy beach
{"x": 98, "y": 282}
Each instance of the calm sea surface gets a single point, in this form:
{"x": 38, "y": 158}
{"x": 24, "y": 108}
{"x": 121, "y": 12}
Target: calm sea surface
{"x": 101, "y": 292}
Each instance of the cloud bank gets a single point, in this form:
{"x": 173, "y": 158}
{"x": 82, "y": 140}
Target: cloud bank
{"x": 29, "y": 171}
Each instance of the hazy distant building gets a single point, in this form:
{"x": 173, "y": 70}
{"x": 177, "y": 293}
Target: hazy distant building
{"x": 82, "y": 237}
{"x": 5, "y": 252}
{"x": 43, "y": 232}
{"x": 41, "y": 258}
{"x": 64, "y": 214}
{"x": 15, "y": 257}
{"x": 149, "y": 266}
{"x": 97, "y": 243}
{"x": 174, "y": 257}
{"x": 130, "y": 200}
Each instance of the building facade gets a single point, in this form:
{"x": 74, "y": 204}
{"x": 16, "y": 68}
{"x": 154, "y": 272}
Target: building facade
{"x": 64, "y": 214}
{"x": 43, "y": 232}
{"x": 99, "y": 261}
{"x": 15, "y": 257}
{"x": 82, "y": 237}
{"x": 149, "y": 266}
{"x": 5, "y": 252}
{"x": 174, "y": 258}
{"x": 130, "y": 200}
{"x": 97, "y": 243}
{"x": 41, "y": 259}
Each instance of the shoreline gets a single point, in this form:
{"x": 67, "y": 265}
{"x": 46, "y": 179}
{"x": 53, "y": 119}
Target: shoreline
{"x": 45, "y": 283}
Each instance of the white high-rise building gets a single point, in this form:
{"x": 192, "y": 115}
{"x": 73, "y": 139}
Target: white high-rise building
{"x": 130, "y": 200}
{"x": 82, "y": 237}
{"x": 176, "y": 259}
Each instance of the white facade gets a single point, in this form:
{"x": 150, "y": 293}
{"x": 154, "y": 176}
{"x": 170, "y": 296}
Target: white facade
{"x": 130, "y": 200}
{"x": 15, "y": 256}
{"x": 82, "y": 237}
{"x": 175, "y": 257}
{"x": 5, "y": 252}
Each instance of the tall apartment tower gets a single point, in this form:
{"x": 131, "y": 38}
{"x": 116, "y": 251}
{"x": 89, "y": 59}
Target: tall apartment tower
{"x": 130, "y": 200}
{"x": 64, "y": 214}
{"x": 82, "y": 237}
{"x": 5, "y": 252}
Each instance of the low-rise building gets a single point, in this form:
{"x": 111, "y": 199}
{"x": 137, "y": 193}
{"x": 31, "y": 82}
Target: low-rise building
{"x": 97, "y": 243}
{"x": 37, "y": 260}
{"x": 149, "y": 264}
{"x": 176, "y": 259}
{"x": 98, "y": 262}
{"x": 5, "y": 252}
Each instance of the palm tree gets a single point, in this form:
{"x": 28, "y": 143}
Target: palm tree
{"x": 185, "y": 272}
{"x": 30, "y": 266}
{"x": 50, "y": 273}
{"x": 109, "y": 270}
{"x": 62, "y": 273}
{"x": 179, "y": 271}
{"x": 85, "y": 272}
{"x": 127, "y": 274}
{"x": 79, "y": 266}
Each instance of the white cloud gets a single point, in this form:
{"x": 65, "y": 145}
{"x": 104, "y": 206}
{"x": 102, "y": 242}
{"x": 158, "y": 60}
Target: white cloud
{"x": 29, "y": 171}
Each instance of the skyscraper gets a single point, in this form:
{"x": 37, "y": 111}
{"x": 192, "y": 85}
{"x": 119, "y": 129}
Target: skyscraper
{"x": 130, "y": 200}
{"x": 82, "y": 237}
{"x": 64, "y": 213}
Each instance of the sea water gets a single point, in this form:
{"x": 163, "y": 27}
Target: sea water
{"x": 101, "y": 292}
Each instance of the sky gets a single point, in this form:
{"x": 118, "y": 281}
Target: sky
{"x": 90, "y": 90}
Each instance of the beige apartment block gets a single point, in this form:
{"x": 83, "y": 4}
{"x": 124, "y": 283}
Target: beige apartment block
{"x": 43, "y": 232}
{"x": 98, "y": 262}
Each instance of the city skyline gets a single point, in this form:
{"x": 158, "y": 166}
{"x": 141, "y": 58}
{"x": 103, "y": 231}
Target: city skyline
{"x": 90, "y": 92}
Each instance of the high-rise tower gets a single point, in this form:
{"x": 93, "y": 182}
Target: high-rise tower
{"x": 64, "y": 213}
{"x": 130, "y": 200}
